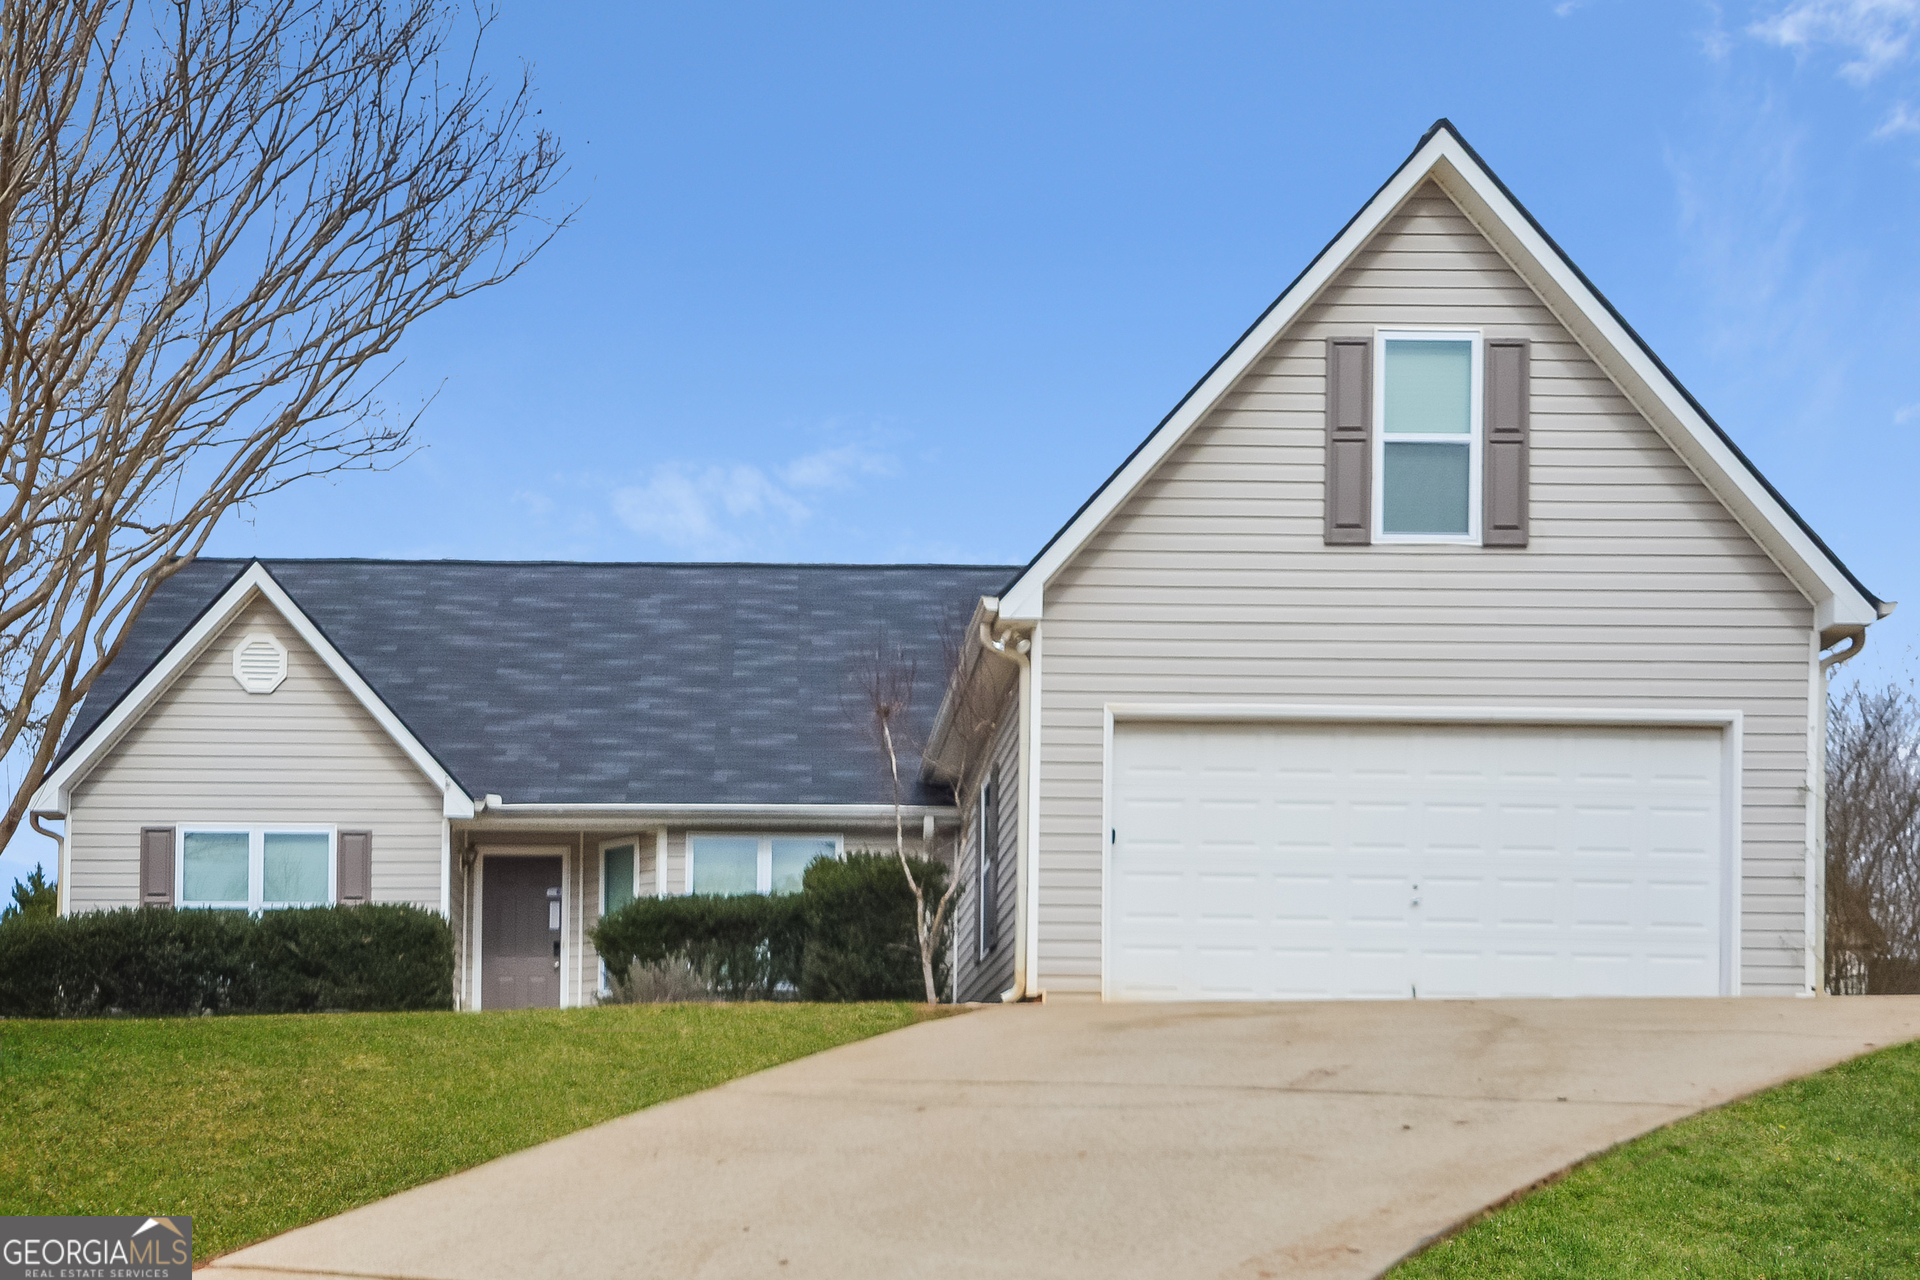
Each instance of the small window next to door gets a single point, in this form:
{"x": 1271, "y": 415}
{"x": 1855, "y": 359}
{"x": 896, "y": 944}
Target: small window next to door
{"x": 620, "y": 871}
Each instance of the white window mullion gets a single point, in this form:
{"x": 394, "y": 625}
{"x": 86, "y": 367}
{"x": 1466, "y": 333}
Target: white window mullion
{"x": 763, "y": 877}
{"x": 256, "y": 869}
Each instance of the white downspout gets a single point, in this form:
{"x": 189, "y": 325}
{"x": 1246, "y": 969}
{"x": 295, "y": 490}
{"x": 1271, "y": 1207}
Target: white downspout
{"x": 1018, "y": 653}
{"x": 59, "y": 855}
{"x": 1816, "y": 872}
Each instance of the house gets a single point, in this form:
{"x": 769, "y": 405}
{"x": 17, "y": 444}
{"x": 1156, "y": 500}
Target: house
{"x": 1438, "y": 643}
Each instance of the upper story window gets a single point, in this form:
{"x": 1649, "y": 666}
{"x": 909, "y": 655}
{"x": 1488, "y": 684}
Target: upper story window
{"x": 1427, "y": 450}
{"x": 733, "y": 864}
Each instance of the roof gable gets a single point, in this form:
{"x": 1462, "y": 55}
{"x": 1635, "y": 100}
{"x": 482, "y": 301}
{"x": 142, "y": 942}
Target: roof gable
{"x": 1445, "y": 159}
{"x": 137, "y": 679}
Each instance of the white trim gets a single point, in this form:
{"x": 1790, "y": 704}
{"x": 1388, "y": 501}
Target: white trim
{"x": 659, "y": 862}
{"x": 475, "y": 967}
{"x": 254, "y": 581}
{"x": 256, "y": 834}
{"x": 1730, "y": 724}
{"x": 601, "y": 849}
{"x": 1030, "y": 872}
{"x": 763, "y": 859}
{"x": 723, "y": 812}
{"x": 1444, "y": 158}
{"x": 566, "y": 949}
{"x": 1814, "y": 884}
{"x": 1471, "y": 442}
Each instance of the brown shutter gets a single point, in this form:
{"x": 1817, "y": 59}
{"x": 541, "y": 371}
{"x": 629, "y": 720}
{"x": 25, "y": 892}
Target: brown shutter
{"x": 156, "y": 866}
{"x": 1349, "y": 441}
{"x": 1504, "y": 482}
{"x": 354, "y": 883}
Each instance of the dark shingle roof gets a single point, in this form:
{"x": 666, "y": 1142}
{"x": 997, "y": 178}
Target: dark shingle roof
{"x": 611, "y": 683}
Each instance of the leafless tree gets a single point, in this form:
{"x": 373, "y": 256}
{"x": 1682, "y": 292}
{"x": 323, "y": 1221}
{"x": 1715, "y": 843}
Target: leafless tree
{"x": 880, "y": 688}
{"x": 215, "y": 216}
{"x": 1873, "y": 841}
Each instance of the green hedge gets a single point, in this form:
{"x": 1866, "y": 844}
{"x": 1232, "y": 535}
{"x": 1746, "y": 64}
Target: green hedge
{"x": 848, "y": 935}
{"x": 861, "y": 943}
{"x": 753, "y": 941}
{"x": 153, "y": 962}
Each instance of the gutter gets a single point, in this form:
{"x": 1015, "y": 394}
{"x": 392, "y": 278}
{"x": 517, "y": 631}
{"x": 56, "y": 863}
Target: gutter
{"x": 1017, "y": 647}
{"x": 613, "y": 814}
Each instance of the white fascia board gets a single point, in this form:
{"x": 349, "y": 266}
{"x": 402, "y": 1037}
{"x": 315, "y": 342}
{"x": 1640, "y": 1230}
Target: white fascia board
{"x": 1445, "y": 159}
{"x": 254, "y": 581}
{"x": 1024, "y": 600}
{"x": 624, "y": 816}
{"x": 1650, "y": 388}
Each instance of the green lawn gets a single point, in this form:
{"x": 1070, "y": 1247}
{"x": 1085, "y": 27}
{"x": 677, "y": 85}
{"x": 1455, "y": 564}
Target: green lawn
{"x": 1820, "y": 1177}
{"x": 254, "y": 1125}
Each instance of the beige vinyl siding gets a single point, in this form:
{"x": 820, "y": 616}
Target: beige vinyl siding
{"x": 977, "y": 977}
{"x": 1212, "y": 582}
{"x": 208, "y": 751}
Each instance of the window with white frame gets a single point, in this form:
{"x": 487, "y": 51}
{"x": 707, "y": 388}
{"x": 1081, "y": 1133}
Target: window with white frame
{"x": 619, "y": 872}
{"x": 735, "y": 864}
{"x": 255, "y": 868}
{"x": 1427, "y": 454}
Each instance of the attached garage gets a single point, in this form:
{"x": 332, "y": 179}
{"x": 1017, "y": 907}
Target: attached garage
{"x": 1330, "y": 856}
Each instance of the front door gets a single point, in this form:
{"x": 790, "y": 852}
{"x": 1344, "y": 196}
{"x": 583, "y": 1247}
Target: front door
{"x": 520, "y": 933}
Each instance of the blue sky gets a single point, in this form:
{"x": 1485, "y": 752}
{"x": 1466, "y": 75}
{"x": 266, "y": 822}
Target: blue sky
{"x": 901, "y": 283}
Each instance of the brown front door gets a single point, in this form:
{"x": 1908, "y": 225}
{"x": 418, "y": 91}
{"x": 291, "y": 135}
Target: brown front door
{"x": 520, "y": 933}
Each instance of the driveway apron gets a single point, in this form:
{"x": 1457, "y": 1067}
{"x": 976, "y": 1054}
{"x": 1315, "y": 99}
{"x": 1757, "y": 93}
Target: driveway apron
{"x": 1077, "y": 1139}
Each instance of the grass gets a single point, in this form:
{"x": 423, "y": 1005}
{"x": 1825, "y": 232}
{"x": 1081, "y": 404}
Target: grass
{"x": 255, "y": 1125}
{"x": 1820, "y": 1177}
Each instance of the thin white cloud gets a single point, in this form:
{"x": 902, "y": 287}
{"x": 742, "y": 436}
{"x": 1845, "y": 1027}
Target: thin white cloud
{"x": 1715, "y": 42}
{"x": 1906, "y": 413}
{"x": 736, "y": 509}
{"x": 1566, "y": 7}
{"x": 1873, "y": 34}
{"x": 1902, "y": 119}
{"x": 836, "y": 468}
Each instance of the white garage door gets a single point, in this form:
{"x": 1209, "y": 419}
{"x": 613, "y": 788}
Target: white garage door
{"x": 1300, "y": 861}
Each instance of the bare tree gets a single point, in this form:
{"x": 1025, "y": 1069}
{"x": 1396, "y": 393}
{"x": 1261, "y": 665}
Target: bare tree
{"x": 1873, "y": 841}
{"x": 880, "y": 700}
{"x": 214, "y": 216}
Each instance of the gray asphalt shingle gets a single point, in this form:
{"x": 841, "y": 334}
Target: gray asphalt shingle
{"x": 608, "y": 683}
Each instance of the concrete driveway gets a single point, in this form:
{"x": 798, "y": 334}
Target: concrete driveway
{"x": 1098, "y": 1141}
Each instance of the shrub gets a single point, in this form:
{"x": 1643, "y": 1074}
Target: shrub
{"x": 750, "y": 944}
{"x": 383, "y": 957}
{"x": 153, "y": 962}
{"x": 861, "y": 943}
{"x": 670, "y": 981}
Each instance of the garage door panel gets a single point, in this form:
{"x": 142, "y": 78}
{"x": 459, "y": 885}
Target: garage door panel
{"x": 1317, "y": 861}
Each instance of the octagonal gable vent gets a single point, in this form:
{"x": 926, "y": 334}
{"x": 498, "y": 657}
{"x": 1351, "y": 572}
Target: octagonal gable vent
{"x": 260, "y": 663}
